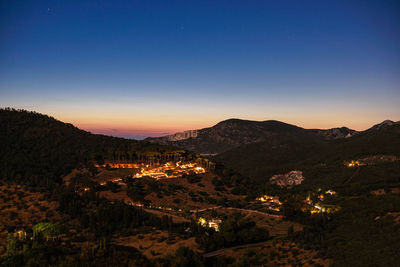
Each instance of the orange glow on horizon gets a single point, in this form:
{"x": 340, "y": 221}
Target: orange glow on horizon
{"x": 155, "y": 124}
{"x": 157, "y": 128}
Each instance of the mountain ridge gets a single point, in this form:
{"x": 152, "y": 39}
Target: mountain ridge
{"x": 229, "y": 134}
{"x": 232, "y": 133}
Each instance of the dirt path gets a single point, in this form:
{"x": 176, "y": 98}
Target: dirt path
{"x": 351, "y": 177}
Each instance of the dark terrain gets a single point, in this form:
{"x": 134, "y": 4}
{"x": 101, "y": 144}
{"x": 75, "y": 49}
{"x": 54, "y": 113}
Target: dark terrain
{"x": 233, "y": 133}
{"x": 89, "y": 224}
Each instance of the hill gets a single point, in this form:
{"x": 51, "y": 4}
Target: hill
{"x": 106, "y": 214}
{"x": 229, "y": 134}
{"x": 321, "y": 160}
{"x": 99, "y": 212}
{"x": 232, "y": 133}
{"x": 37, "y": 149}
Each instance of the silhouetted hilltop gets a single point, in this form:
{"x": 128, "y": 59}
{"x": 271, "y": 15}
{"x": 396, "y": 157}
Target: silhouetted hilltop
{"x": 383, "y": 124}
{"x": 232, "y": 133}
{"x": 39, "y": 149}
{"x": 321, "y": 159}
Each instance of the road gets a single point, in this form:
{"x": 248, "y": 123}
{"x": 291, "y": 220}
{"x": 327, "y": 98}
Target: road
{"x": 244, "y": 210}
{"x": 351, "y": 177}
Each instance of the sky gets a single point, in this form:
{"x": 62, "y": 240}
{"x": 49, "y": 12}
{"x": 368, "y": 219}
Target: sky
{"x": 151, "y": 68}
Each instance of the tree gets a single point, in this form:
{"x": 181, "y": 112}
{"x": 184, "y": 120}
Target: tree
{"x": 11, "y": 245}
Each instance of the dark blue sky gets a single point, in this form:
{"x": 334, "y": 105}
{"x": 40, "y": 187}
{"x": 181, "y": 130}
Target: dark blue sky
{"x": 149, "y": 67}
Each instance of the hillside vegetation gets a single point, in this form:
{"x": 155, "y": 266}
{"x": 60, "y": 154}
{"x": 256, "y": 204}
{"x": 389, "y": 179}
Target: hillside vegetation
{"x": 104, "y": 225}
{"x": 38, "y": 150}
{"x": 322, "y": 161}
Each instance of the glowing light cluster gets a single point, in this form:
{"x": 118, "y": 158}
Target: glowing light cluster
{"x": 272, "y": 202}
{"x": 118, "y": 165}
{"x": 136, "y": 204}
{"x": 353, "y": 163}
{"x": 202, "y": 221}
{"x": 213, "y": 223}
{"x": 315, "y": 206}
{"x": 169, "y": 170}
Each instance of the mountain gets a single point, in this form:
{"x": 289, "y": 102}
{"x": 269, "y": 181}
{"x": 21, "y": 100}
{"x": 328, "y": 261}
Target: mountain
{"x": 263, "y": 149}
{"x": 233, "y": 133}
{"x": 383, "y": 124}
{"x": 229, "y": 134}
{"x": 321, "y": 160}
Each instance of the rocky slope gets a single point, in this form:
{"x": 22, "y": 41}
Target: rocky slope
{"x": 335, "y": 133}
{"x": 287, "y": 180}
{"x": 383, "y": 124}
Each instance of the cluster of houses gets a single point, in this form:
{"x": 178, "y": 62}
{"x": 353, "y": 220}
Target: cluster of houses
{"x": 353, "y": 163}
{"x": 158, "y": 171}
{"x": 371, "y": 160}
{"x": 271, "y": 202}
{"x": 170, "y": 170}
{"x": 315, "y": 203}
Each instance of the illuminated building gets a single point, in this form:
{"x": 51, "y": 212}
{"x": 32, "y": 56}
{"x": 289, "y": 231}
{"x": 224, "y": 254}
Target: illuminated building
{"x": 202, "y": 221}
{"x": 353, "y": 163}
{"x": 213, "y": 223}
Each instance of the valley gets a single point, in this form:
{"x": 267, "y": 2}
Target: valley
{"x": 199, "y": 133}
{"x": 296, "y": 198}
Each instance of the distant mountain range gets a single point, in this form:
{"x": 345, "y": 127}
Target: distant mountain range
{"x": 233, "y": 133}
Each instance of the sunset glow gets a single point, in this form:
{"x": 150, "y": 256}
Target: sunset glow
{"x": 137, "y": 69}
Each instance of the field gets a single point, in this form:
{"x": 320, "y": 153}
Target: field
{"x": 275, "y": 225}
{"x": 156, "y": 243}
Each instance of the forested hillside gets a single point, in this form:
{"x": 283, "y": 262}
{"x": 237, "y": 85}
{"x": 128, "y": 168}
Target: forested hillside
{"x": 38, "y": 150}
{"x": 323, "y": 161}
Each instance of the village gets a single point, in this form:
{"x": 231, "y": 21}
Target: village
{"x": 169, "y": 170}
{"x": 157, "y": 171}
{"x": 315, "y": 202}
{"x": 271, "y": 202}
{"x": 266, "y": 209}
